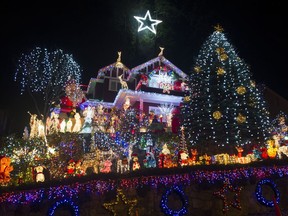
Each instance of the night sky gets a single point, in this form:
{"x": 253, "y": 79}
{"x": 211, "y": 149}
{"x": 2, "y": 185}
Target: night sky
{"x": 93, "y": 32}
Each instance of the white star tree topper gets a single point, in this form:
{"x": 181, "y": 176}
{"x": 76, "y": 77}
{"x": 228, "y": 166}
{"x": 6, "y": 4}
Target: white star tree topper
{"x": 152, "y": 22}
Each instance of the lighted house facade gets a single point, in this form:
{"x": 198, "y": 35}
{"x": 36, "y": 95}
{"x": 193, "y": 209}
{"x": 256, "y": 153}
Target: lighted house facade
{"x": 146, "y": 87}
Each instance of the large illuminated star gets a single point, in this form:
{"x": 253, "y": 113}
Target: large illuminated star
{"x": 147, "y": 24}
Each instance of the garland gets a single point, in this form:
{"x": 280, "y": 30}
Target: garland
{"x": 164, "y": 202}
{"x": 74, "y": 209}
{"x": 74, "y": 186}
{"x": 259, "y": 195}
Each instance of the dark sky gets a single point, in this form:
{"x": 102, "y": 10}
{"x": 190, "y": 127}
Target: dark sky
{"x": 94, "y": 31}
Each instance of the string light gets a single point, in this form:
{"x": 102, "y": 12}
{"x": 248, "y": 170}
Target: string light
{"x": 161, "y": 59}
{"x": 120, "y": 200}
{"x": 222, "y": 193}
{"x": 259, "y": 192}
{"x": 74, "y": 209}
{"x": 100, "y": 187}
{"x": 164, "y": 201}
{"x": 152, "y": 23}
{"x": 42, "y": 69}
{"x": 230, "y": 94}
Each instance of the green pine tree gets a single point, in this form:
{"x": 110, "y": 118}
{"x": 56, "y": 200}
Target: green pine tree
{"x": 129, "y": 125}
{"x": 223, "y": 108}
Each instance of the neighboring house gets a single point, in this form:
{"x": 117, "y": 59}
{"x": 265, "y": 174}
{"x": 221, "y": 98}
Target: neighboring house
{"x": 146, "y": 86}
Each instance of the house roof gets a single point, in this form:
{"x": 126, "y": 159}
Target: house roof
{"x": 117, "y": 64}
{"x": 134, "y": 71}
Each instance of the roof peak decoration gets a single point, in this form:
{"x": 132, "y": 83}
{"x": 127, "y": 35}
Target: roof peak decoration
{"x": 218, "y": 28}
{"x": 161, "y": 51}
{"x": 147, "y": 23}
{"x": 161, "y": 59}
{"x": 118, "y": 62}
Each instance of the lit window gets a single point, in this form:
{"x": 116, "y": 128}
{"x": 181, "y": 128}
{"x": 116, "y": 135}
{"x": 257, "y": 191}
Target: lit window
{"x": 114, "y": 85}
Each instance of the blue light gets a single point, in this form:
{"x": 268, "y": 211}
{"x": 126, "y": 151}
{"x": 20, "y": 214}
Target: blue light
{"x": 259, "y": 194}
{"x": 73, "y": 207}
{"x": 164, "y": 202}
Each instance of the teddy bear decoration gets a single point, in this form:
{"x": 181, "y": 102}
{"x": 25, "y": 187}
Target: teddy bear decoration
{"x": 5, "y": 169}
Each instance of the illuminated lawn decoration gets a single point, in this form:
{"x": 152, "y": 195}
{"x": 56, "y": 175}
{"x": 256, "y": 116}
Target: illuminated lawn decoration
{"x": 166, "y": 111}
{"x": 223, "y": 194}
{"x": 147, "y": 24}
{"x": 259, "y": 195}
{"x": 116, "y": 207}
{"x": 74, "y": 209}
{"x": 164, "y": 201}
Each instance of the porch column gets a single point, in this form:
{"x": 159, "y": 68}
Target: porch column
{"x": 141, "y": 109}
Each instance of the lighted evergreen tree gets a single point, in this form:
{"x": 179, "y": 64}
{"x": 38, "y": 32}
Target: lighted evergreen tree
{"x": 183, "y": 144}
{"x": 129, "y": 125}
{"x": 223, "y": 108}
{"x": 44, "y": 74}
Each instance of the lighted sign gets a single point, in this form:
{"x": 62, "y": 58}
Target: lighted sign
{"x": 147, "y": 22}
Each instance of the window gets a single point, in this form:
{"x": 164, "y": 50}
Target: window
{"x": 155, "y": 110}
{"x": 158, "y": 81}
{"x": 114, "y": 85}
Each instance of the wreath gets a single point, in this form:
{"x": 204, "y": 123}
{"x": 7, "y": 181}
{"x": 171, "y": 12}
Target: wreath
{"x": 259, "y": 195}
{"x": 164, "y": 202}
{"x": 74, "y": 209}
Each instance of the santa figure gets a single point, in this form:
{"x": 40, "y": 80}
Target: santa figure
{"x": 71, "y": 167}
{"x": 183, "y": 158}
{"x": 165, "y": 159}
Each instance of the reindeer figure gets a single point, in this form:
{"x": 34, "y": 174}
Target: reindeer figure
{"x": 118, "y": 62}
{"x": 33, "y": 125}
{"x": 123, "y": 83}
{"x": 161, "y": 52}
{"x": 122, "y": 165}
{"x": 119, "y": 57}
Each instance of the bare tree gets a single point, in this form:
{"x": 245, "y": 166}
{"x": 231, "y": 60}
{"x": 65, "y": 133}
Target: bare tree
{"x": 43, "y": 74}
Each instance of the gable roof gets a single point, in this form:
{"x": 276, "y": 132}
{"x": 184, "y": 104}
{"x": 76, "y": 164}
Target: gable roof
{"x": 117, "y": 64}
{"x": 134, "y": 71}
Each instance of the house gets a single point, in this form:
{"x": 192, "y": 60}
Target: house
{"x": 145, "y": 87}
{"x": 156, "y": 86}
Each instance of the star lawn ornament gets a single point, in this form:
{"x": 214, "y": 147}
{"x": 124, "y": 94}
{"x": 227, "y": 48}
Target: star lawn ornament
{"x": 122, "y": 206}
{"x": 223, "y": 194}
{"x": 147, "y": 24}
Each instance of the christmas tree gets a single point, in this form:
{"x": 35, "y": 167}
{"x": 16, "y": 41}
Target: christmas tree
{"x": 129, "y": 124}
{"x": 183, "y": 144}
{"x": 223, "y": 108}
